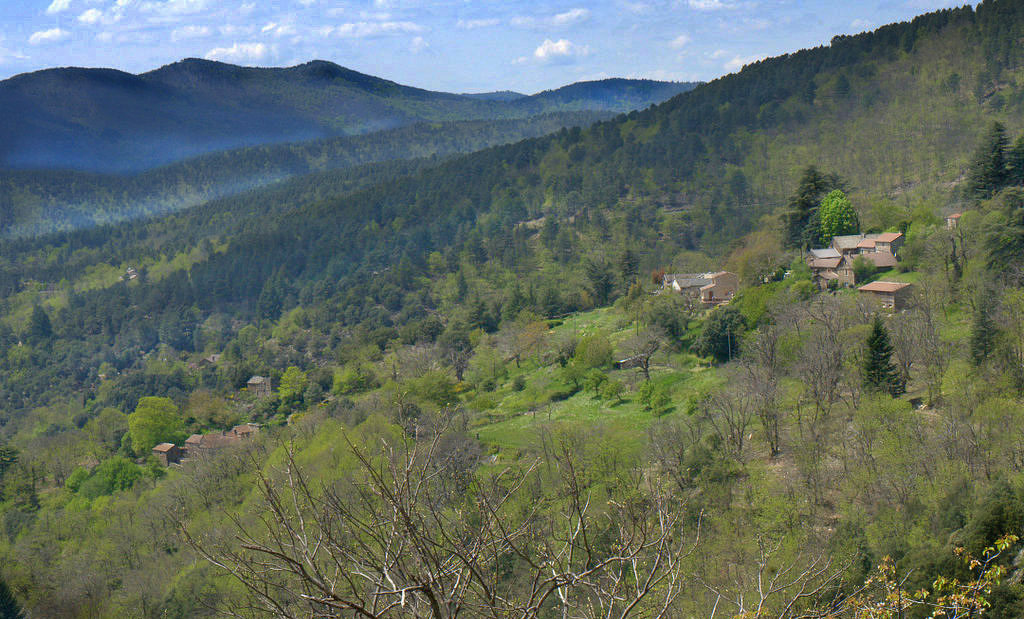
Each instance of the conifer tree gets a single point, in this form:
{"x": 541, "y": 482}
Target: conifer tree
{"x": 1015, "y": 163}
{"x": 802, "y": 216}
{"x": 880, "y": 373}
{"x": 9, "y": 607}
{"x": 988, "y": 169}
{"x": 983, "y": 332}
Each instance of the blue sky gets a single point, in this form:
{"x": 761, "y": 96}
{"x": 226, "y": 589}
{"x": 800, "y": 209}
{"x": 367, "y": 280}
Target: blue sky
{"x": 451, "y": 45}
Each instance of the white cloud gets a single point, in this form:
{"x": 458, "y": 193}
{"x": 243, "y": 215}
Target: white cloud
{"x": 570, "y": 17}
{"x": 239, "y": 52}
{"x": 567, "y": 18}
{"x": 48, "y": 36}
{"x": 680, "y": 41}
{"x": 92, "y": 16}
{"x": 471, "y": 24}
{"x": 369, "y": 29}
{"x": 278, "y": 30}
{"x": 189, "y": 32}
{"x": 418, "y": 45}
{"x": 58, "y": 6}
{"x": 861, "y": 24}
{"x": 562, "y": 50}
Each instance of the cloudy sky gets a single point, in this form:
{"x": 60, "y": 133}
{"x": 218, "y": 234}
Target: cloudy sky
{"x": 451, "y": 45}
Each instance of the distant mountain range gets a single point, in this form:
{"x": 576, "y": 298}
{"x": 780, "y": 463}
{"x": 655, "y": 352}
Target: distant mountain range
{"x": 112, "y": 121}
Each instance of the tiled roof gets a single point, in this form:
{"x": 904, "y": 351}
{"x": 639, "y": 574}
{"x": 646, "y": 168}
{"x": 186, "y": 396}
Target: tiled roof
{"x": 883, "y": 287}
{"x": 888, "y": 237}
{"x": 164, "y": 447}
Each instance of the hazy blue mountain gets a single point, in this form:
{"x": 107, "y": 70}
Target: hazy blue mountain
{"x": 107, "y": 120}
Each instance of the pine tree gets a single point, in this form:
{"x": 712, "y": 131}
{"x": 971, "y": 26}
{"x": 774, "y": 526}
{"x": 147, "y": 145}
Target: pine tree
{"x": 1015, "y": 163}
{"x": 629, "y": 267}
{"x": 983, "y": 332}
{"x": 988, "y": 168}
{"x": 880, "y": 373}
{"x": 9, "y": 608}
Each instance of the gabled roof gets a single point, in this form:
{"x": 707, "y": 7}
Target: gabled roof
{"x": 888, "y": 237}
{"x": 195, "y": 439}
{"x": 866, "y": 244}
{"x": 881, "y": 259}
{"x": 954, "y": 216}
{"x": 827, "y": 252}
{"x": 163, "y": 447}
{"x": 825, "y": 263}
{"x": 256, "y": 380}
{"x": 883, "y": 287}
{"x": 847, "y": 241}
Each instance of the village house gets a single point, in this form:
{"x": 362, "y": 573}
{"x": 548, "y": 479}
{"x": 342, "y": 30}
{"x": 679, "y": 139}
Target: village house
{"x": 891, "y": 295}
{"x": 835, "y": 263}
{"x": 202, "y": 445}
{"x": 709, "y": 288}
{"x": 168, "y": 453}
{"x": 259, "y": 385}
{"x": 953, "y": 220}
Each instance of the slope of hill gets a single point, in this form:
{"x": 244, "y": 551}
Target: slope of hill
{"x": 106, "y": 120}
{"x": 493, "y": 291}
{"x": 41, "y": 201}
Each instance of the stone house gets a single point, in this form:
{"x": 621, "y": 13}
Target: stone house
{"x": 259, "y": 385}
{"x": 891, "y": 295}
{"x": 168, "y": 453}
{"x": 709, "y": 288}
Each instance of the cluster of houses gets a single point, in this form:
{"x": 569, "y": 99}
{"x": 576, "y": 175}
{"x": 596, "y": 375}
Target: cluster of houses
{"x": 833, "y": 266}
{"x": 202, "y": 445}
{"x": 709, "y": 289}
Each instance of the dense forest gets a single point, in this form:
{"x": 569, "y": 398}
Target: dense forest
{"x": 483, "y": 402}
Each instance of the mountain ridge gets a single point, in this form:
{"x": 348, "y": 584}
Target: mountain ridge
{"x": 108, "y": 120}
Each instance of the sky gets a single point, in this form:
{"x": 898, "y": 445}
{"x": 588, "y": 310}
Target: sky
{"x": 448, "y": 45}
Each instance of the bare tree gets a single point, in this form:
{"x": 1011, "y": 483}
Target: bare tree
{"x": 730, "y": 411}
{"x": 641, "y": 348}
{"x": 394, "y": 540}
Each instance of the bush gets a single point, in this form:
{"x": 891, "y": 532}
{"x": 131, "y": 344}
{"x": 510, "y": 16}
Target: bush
{"x": 593, "y": 351}
{"x": 519, "y": 383}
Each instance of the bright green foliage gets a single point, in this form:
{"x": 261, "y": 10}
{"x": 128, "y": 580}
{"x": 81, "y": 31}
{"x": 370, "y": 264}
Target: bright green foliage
{"x": 594, "y": 380}
{"x": 593, "y": 351}
{"x": 802, "y": 216}
{"x": 988, "y": 168}
{"x": 113, "y": 475}
{"x": 837, "y": 216}
{"x": 653, "y": 397}
{"x": 155, "y": 421}
{"x": 880, "y": 372}
{"x": 722, "y": 334}
{"x": 293, "y": 384}
{"x": 9, "y": 607}
{"x": 612, "y": 390}
{"x": 353, "y": 378}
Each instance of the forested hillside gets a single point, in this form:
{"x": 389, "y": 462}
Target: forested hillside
{"x": 483, "y": 401}
{"x": 110, "y": 121}
{"x": 34, "y": 202}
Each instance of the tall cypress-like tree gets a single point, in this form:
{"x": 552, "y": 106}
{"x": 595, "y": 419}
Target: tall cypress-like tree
{"x": 880, "y": 373}
{"x": 801, "y": 218}
{"x": 987, "y": 174}
{"x": 1015, "y": 163}
{"x": 983, "y": 331}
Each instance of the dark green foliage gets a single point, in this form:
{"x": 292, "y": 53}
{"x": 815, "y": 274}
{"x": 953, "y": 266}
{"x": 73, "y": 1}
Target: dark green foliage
{"x": 983, "y": 331}
{"x": 801, "y": 220}
{"x": 9, "y": 607}
{"x": 1005, "y": 243}
{"x": 629, "y": 267}
{"x": 1015, "y": 163}
{"x": 601, "y": 280}
{"x": 722, "y": 335}
{"x": 863, "y": 269}
{"x": 880, "y": 372}
{"x": 39, "y": 327}
{"x": 988, "y": 172}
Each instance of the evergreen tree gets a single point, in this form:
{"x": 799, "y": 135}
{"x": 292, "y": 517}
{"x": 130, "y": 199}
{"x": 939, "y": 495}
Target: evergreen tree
{"x": 629, "y": 266}
{"x": 601, "y": 283}
{"x": 983, "y": 331}
{"x": 9, "y": 607}
{"x": 39, "y": 327}
{"x": 880, "y": 373}
{"x": 988, "y": 169}
{"x": 1015, "y": 163}
{"x": 722, "y": 334}
{"x": 802, "y": 215}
